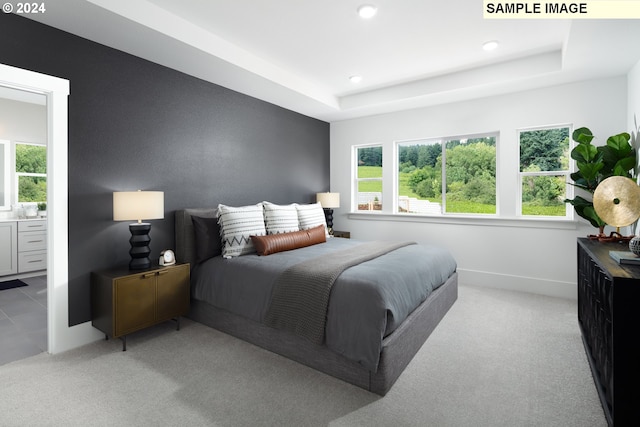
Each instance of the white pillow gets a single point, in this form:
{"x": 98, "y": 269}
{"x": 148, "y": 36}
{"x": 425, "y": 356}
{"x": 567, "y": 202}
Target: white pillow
{"x": 310, "y": 216}
{"x": 280, "y": 218}
{"x": 237, "y": 225}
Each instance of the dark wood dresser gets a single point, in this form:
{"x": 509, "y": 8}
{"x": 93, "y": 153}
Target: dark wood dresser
{"x": 609, "y": 317}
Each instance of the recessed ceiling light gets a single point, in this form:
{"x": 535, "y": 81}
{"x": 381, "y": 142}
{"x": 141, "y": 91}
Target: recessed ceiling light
{"x": 367, "y": 11}
{"x": 490, "y": 45}
{"x": 355, "y": 79}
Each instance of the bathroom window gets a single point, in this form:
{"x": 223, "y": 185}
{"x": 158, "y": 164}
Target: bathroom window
{"x": 31, "y": 172}
{"x": 5, "y": 175}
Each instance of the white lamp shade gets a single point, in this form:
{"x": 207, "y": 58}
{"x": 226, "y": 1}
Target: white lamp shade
{"x": 328, "y": 200}
{"x": 138, "y": 205}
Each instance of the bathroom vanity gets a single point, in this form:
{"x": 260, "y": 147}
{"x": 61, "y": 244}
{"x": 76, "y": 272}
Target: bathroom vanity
{"x": 23, "y": 246}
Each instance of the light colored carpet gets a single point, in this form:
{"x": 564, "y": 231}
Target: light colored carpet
{"x": 498, "y": 358}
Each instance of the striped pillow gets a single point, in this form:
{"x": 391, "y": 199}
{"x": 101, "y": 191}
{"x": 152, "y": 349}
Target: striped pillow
{"x": 280, "y": 218}
{"x": 237, "y": 224}
{"x": 310, "y": 216}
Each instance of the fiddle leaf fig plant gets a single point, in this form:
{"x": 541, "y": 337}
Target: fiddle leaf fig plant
{"x": 616, "y": 158}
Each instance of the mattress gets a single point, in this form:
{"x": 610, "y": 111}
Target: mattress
{"x": 368, "y": 301}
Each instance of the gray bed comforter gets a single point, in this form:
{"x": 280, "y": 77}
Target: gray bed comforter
{"x": 368, "y": 301}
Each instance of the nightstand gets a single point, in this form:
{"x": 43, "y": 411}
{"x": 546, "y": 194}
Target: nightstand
{"x": 125, "y": 301}
{"x": 343, "y": 234}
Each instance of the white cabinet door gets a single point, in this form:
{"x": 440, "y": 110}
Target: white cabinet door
{"x": 8, "y": 248}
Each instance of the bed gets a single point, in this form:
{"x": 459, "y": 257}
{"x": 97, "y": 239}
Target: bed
{"x": 235, "y": 296}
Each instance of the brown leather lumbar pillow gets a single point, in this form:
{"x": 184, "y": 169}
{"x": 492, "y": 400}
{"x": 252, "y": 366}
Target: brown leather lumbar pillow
{"x": 266, "y": 245}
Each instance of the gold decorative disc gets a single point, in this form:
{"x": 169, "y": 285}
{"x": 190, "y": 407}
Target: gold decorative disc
{"x": 617, "y": 201}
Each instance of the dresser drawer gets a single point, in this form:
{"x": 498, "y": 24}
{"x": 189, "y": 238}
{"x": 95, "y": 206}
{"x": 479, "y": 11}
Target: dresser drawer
{"x": 32, "y": 261}
{"x": 32, "y": 225}
{"x": 32, "y": 241}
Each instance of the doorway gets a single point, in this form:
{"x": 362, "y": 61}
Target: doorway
{"x": 23, "y": 280}
{"x": 60, "y": 336}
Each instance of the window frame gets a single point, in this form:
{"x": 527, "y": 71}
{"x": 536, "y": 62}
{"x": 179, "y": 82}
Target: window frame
{"x": 7, "y": 171}
{"x": 569, "y": 189}
{"x": 443, "y": 173}
{"x": 17, "y": 175}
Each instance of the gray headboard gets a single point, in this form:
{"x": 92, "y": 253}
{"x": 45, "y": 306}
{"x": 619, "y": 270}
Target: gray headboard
{"x": 185, "y": 237}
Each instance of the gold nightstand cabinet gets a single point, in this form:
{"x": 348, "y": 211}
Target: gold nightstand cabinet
{"x": 125, "y": 301}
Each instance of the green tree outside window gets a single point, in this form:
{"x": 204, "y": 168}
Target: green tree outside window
{"x": 544, "y": 169}
{"x": 469, "y": 171}
{"x": 31, "y": 172}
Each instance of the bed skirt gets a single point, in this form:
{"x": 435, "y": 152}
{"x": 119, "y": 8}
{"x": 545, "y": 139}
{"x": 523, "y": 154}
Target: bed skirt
{"x": 398, "y": 349}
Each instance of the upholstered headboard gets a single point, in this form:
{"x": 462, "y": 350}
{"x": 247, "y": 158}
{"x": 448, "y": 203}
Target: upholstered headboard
{"x": 185, "y": 234}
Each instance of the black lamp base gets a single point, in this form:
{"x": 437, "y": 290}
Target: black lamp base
{"x": 328, "y": 215}
{"x": 139, "y": 246}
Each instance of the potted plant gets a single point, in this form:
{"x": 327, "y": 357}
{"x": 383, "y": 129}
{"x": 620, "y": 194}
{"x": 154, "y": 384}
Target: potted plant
{"x": 616, "y": 158}
{"x": 42, "y": 209}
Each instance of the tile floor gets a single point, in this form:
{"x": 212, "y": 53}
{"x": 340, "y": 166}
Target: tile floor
{"x": 23, "y": 320}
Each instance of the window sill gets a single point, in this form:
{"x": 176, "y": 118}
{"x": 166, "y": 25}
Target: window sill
{"x": 492, "y": 221}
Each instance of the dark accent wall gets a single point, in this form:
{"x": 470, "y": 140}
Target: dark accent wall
{"x": 136, "y": 125}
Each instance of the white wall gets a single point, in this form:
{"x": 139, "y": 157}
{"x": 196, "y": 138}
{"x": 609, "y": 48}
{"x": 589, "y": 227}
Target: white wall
{"x": 23, "y": 122}
{"x": 633, "y": 117}
{"x": 515, "y": 254}
{"x": 633, "y": 101}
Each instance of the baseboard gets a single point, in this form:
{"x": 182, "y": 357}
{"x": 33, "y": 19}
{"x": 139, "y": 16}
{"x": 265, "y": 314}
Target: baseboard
{"x": 552, "y": 288}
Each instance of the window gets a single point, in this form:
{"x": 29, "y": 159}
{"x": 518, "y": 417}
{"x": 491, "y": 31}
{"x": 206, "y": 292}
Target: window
{"x": 5, "y": 175}
{"x": 369, "y": 178}
{"x": 31, "y": 172}
{"x": 544, "y": 171}
{"x": 467, "y": 178}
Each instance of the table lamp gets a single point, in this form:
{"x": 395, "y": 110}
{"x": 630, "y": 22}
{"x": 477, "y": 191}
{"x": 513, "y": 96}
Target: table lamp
{"x": 138, "y": 206}
{"x": 328, "y": 201}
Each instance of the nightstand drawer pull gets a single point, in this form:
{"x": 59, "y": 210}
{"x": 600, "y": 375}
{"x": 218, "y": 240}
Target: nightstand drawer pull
{"x": 162, "y": 272}
{"x": 146, "y": 276}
